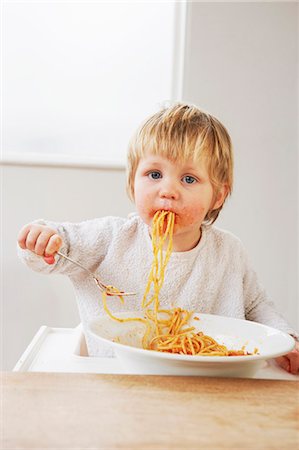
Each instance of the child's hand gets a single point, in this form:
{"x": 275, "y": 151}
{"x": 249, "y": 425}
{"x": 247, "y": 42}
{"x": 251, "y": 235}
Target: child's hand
{"x": 40, "y": 239}
{"x": 290, "y": 362}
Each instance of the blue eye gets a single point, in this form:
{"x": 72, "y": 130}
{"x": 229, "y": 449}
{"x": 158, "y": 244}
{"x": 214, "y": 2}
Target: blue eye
{"x": 189, "y": 179}
{"x": 155, "y": 175}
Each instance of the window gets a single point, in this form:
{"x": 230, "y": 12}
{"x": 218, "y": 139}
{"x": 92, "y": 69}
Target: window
{"x": 79, "y": 77}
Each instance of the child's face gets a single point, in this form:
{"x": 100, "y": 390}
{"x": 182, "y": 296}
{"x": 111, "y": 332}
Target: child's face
{"x": 181, "y": 187}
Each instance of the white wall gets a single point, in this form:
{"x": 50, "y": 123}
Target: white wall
{"x": 241, "y": 65}
{"x": 72, "y": 69}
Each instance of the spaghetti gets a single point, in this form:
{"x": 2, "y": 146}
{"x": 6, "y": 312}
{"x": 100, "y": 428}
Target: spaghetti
{"x": 168, "y": 330}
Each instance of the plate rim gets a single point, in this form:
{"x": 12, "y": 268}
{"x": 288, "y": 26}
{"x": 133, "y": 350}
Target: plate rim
{"x": 196, "y": 358}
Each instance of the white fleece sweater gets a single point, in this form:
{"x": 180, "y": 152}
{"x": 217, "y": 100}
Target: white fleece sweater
{"x": 213, "y": 278}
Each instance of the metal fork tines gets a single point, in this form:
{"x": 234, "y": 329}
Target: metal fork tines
{"x": 110, "y": 290}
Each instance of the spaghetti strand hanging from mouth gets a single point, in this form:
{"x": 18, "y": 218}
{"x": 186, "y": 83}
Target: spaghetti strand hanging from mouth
{"x": 160, "y": 260}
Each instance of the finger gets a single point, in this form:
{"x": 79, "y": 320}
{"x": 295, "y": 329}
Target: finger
{"x": 294, "y": 362}
{"x": 283, "y": 362}
{"x": 42, "y": 241}
{"x": 32, "y": 237}
{"x": 49, "y": 259}
{"x": 53, "y": 245}
{"x": 22, "y": 236}
{"x": 294, "y": 368}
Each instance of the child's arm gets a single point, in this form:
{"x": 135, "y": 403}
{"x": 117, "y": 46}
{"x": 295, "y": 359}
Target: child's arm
{"x": 258, "y": 308}
{"x": 263, "y": 311}
{"x": 87, "y": 242}
{"x": 41, "y": 240}
{"x": 290, "y": 362}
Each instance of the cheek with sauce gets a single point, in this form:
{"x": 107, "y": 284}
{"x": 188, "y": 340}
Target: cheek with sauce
{"x": 145, "y": 210}
{"x": 190, "y": 216}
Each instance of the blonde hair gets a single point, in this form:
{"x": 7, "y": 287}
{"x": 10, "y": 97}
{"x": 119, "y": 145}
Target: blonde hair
{"x": 182, "y": 132}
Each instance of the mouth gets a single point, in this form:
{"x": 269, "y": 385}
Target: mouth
{"x": 163, "y": 221}
{"x": 154, "y": 211}
{"x": 166, "y": 205}
{"x": 167, "y": 217}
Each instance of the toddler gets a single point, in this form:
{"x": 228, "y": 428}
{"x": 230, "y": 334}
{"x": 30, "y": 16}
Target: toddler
{"x": 180, "y": 160}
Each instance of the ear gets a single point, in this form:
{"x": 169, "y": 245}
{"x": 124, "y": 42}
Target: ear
{"x": 221, "y": 195}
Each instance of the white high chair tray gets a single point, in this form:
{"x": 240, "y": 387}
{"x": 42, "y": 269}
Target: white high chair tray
{"x": 64, "y": 350}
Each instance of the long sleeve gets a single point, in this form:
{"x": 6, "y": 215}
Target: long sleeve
{"x": 258, "y": 307}
{"x": 86, "y": 242}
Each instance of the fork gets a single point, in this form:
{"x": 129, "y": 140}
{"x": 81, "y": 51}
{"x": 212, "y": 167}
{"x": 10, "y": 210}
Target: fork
{"x": 110, "y": 290}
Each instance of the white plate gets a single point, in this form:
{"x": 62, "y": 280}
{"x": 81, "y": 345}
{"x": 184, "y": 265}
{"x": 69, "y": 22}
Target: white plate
{"x": 234, "y": 333}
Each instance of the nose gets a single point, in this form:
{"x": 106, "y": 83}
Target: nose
{"x": 169, "y": 190}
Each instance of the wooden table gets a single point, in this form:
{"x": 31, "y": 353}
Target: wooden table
{"x": 89, "y": 411}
